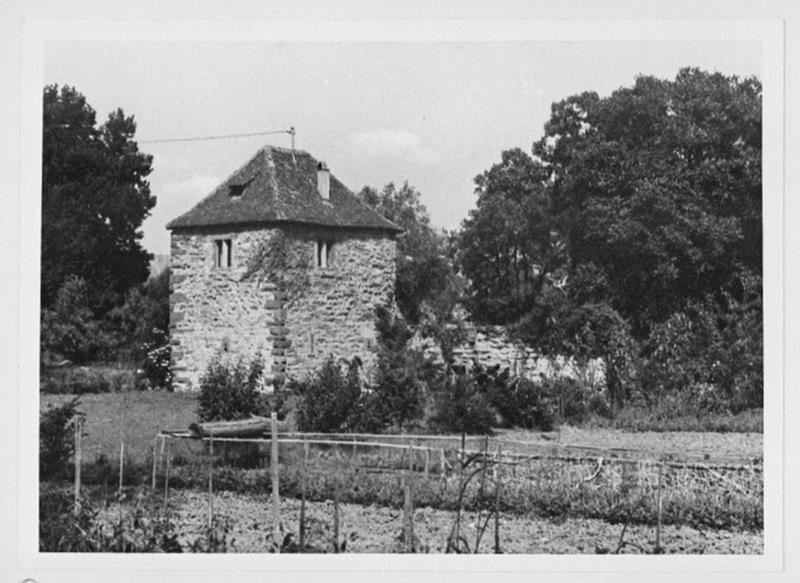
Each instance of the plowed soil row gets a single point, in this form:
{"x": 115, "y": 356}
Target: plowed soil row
{"x": 374, "y": 529}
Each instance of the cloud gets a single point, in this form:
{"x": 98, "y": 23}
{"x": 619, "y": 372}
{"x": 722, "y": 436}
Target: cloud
{"x": 397, "y": 143}
{"x": 196, "y": 186}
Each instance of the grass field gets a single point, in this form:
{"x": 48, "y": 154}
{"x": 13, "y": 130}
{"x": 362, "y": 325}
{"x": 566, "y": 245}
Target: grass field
{"x": 130, "y": 417}
{"x": 136, "y": 417}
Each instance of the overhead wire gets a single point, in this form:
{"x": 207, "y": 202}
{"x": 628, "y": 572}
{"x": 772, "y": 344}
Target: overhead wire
{"x": 221, "y": 137}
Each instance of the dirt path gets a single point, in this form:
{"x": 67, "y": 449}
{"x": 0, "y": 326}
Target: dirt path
{"x": 377, "y": 529}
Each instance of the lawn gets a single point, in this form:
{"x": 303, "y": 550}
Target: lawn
{"x": 130, "y": 417}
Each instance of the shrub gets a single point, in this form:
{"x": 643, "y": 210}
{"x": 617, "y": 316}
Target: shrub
{"x": 460, "y": 406}
{"x": 709, "y": 356}
{"x": 398, "y": 395}
{"x": 156, "y": 362}
{"x": 229, "y": 391}
{"x": 56, "y": 440}
{"x": 61, "y": 529}
{"x": 68, "y": 328}
{"x": 75, "y": 381}
{"x": 329, "y": 397}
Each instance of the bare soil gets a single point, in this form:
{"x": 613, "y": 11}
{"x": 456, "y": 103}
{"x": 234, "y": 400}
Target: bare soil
{"x": 374, "y": 529}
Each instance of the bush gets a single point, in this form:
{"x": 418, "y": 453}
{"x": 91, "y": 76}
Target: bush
{"x": 156, "y": 363}
{"x": 398, "y": 395}
{"x": 460, "y": 405}
{"x": 57, "y": 441}
{"x": 230, "y": 391}
{"x": 709, "y": 356}
{"x": 329, "y": 397}
{"x": 68, "y": 328}
{"x": 61, "y": 529}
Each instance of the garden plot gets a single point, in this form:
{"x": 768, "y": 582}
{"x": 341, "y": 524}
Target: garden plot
{"x": 378, "y": 529}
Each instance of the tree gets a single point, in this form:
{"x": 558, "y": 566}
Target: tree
{"x": 95, "y": 196}
{"x": 658, "y": 187}
{"x": 507, "y": 248}
{"x": 652, "y": 201}
{"x": 425, "y": 276}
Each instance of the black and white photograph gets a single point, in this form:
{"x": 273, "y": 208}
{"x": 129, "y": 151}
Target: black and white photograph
{"x": 348, "y": 290}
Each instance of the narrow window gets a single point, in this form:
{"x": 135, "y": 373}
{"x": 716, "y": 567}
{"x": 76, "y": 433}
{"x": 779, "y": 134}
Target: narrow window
{"x": 324, "y": 254}
{"x": 222, "y": 252}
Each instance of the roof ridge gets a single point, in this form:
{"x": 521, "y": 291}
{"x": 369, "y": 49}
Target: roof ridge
{"x": 286, "y": 150}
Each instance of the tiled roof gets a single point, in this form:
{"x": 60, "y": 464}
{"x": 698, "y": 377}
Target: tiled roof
{"x": 279, "y": 185}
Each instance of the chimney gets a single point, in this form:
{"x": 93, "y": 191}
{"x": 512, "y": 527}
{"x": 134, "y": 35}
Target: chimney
{"x": 323, "y": 181}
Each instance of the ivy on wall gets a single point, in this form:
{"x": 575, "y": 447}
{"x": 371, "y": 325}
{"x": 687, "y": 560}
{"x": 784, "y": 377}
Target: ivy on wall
{"x": 281, "y": 261}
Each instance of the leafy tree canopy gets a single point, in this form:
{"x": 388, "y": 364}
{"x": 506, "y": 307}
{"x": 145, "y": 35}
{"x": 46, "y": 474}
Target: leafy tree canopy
{"x": 95, "y": 196}
{"x": 506, "y": 247}
{"x": 634, "y": 234}
{"x": 424, "y": 273}
{"x": 658, "y": 188}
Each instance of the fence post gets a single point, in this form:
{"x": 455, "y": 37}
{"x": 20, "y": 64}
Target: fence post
{"x": 427, "y": 462}
{"x": 408, "y": 518}
{"x": 497, "y": 483}
{"x": 121, "y": 463}
{"x": 155, "y": 458}
{"x": 276, "y": 501}
{"x": 336, "y": 515}
{"x": 303, "y": 497}
{"x": 166, "y": 472}
{"x": 78, "y": 445}
{"x": 210, "y": 482}
{"x": 658, "y": 521}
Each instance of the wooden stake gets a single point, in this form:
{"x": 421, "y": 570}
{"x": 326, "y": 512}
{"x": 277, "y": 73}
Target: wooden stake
{"x": 78, "y": 445}
{"x": 442, "y": 463}
{"x": 303, "y": 498}
{"x": 658, "y": 522}
{"x": 427, "y": 462}
{"x": 484, "y": 461}
{"x": 166, "y": 473}
{"x": 460, "y": 491}
{"x": 210, "y": 482}
{"x": 497, "y": 484}
{"x": 121, "y": 463}
{"x": 276, "y": 500}
{"x": 336, "y": 516}
{"x": 408, "y": 519}
{"x": 155, "y": 461}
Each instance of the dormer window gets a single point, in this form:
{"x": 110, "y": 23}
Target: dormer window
{"x": 223, "y": 251}
{"x": 237, "y": 190}
{"x": 324, "y": 254}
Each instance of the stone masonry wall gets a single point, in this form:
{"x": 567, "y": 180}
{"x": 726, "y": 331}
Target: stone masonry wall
{"x": 213, "y": 311}
{"x": 492, "y": 345}
{"x": 335, "y": 314}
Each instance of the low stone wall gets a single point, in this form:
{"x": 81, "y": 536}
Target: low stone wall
{"x": 493, "y": 346}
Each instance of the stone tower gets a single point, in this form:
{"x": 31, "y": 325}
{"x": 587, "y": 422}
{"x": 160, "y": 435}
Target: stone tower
{"x": 283, "y": 261}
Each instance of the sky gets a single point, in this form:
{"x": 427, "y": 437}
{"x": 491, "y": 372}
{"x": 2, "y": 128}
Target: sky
{"x": 434, "y": 114}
